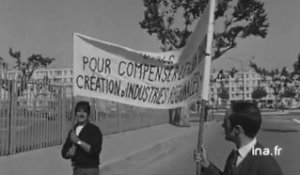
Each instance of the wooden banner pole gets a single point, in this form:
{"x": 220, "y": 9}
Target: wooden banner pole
{"x": 200, "y": 132}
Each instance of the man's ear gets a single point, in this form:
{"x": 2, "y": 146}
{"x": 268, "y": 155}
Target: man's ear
{"x": 239, "y": 129}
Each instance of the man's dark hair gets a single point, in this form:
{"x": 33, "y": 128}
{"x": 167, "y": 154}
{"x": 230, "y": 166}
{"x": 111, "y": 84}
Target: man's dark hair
{"x": 247, "y": 115}
{"x": 83, "y": 105}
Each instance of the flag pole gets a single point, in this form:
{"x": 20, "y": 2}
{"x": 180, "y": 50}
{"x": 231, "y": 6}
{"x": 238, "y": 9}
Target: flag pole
{"x": 206, "y": 77}
{"x": 200, "y": 132}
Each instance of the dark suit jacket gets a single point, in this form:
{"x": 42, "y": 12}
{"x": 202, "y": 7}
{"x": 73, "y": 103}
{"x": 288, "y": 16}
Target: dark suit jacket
{"x": 251, "y": 165}
{"x": 92, "y": 135}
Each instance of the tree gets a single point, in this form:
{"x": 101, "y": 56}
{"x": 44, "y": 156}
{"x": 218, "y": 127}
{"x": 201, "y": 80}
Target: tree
{"x": 33, "y": 62}
{"x": 296, "y": 65}
{"x": 289, "y": 93}
{"x": 27, "y": 68}
{"x": 222, "y": 78}
{"x": 275, "y": 79}
{"x": 258, "y": 93}
{"x": 223, "y": 93}
{"x": 172, "y": 20}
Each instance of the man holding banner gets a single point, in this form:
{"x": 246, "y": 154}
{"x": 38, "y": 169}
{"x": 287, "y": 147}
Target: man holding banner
{"x": 241, "y": 125}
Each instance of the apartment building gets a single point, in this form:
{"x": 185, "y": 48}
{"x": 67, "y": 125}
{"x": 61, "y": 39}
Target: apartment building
{"x": 241, "y": 86}
{"x": 36, "y": 91}
{"x": 60, "y": 76}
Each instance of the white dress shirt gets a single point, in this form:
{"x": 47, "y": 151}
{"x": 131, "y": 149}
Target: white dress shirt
{"x": 78, "y": 129}
{"x": 244, "y": 150}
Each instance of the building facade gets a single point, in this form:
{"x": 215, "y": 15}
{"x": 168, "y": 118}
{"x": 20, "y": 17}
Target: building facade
{"x": 240, "y": 87}
{"x": 40, "y": 90}
{"x": 61, "y": 76}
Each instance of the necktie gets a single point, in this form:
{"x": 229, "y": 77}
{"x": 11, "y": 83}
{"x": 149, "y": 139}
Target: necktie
{"x": 231, "y": 163}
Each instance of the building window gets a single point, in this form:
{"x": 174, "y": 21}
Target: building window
{"x": 58, "y": 73}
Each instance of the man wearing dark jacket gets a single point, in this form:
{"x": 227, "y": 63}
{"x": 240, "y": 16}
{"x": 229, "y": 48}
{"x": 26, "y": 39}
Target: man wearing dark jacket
{"x": 241, "y": 125}
{"x": 83, "y": 144}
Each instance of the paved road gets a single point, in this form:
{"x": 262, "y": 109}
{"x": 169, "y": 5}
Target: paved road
{"x": 176, "y": 157}
{"x": 175, "y": 153}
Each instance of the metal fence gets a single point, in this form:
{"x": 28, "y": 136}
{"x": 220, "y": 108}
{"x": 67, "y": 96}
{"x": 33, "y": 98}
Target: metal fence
{"x": 31, "y": 116}
{"x": 36, "y": 115}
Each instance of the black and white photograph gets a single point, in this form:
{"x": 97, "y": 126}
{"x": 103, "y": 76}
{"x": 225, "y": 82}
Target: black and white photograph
{"x": 149, "y": 87}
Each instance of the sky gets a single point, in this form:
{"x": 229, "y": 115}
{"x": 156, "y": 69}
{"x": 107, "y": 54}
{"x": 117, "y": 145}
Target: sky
{"x": 46, "y": 27}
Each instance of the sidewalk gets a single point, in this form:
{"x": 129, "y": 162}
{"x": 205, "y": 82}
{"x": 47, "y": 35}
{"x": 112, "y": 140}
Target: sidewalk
{"x": 116, "y": 148}
{"x": 279, "y": 112}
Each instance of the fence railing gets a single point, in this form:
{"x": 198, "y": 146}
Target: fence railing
{"x": 39, "y": 115}
{"x": 31, "y": 117}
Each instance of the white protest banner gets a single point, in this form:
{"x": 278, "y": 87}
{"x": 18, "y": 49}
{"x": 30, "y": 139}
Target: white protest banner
{"x": 200, "y": 43}
{"x": 155, "y": 80}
